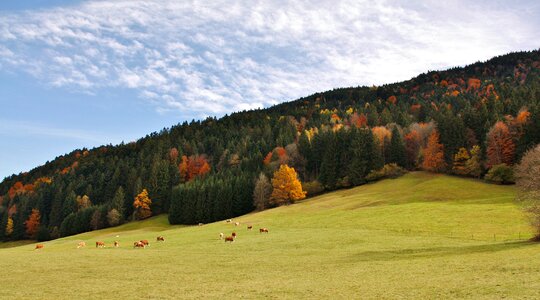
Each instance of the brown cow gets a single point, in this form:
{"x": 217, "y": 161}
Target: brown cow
{"x": 145, "y": 242}
{"x": 116, "y": 244}
{"x": 229, "y": 239}
{"x": 234, "y": 234}
{"x": 81, "y": 245}
{"x": 39, "y": 246}
{"x": 261, "y": 230}
{"x": 139, "y": 244}
{"x": 160, "y": 239}
{"x": 250, "y": 227}
{"x": 100, "y": 245}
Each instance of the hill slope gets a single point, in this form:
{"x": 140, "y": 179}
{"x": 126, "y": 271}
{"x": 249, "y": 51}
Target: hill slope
{"x": 488, "y": 113}
{"x": 419, "y": 236}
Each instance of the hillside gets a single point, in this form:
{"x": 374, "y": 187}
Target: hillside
{"x": 465, "y": 121}
{"x": 432, "y": 234}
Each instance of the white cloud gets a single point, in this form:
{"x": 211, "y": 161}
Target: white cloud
{"x": 29, "y": 129}
{"x": 220, "y": 56}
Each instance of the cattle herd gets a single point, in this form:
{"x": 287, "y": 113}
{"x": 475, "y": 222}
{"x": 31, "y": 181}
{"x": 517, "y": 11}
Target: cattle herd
{"x": 144, "y": 243}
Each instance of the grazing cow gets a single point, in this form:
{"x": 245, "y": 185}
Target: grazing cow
{"x": 250, "y": 227}
{"x": 236, "y": 223}
{"x": 160, "y": 239}
{"x": 100, "y": 245}
{"x": 81, "y": 245}
{"x": 139, "y": 244}
{"x": 263, "y": 230}
{"x": 201, "y": 224}
{"x": 39, "y": 246}
{"x": 145, "y": 242}
{"x": 229, "y": 220}
{"x": 221, "y": 235}
{"x": 116, "y": 244}
{"x": 229, "y": 239}
{"x": 234, "y": 234}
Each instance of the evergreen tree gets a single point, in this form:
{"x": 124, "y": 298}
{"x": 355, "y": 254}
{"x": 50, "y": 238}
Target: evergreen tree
{"x": 328, "y": 175}
{"x": 397, "y": 149}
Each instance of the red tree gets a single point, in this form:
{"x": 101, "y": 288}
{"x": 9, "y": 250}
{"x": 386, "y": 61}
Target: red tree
{"x": 501, "y": 147}
{"x": 32, "y": 224}
{"x": 434, "y": 154}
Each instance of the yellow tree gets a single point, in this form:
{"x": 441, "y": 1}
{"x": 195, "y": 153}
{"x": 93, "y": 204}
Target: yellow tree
{"x": 460, "y": 159}
{"x": 142, "y": 205}
{"x": 9, "y": 226}
{"x": 32, "y": 224}
{"x": 286, "y": 186}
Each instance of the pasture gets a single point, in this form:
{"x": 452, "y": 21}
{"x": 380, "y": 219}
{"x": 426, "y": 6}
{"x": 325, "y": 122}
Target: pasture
{"x": 420, "y": 236}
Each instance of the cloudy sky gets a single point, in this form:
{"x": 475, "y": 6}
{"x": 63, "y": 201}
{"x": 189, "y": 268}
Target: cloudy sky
{"x": 79, "y": 74}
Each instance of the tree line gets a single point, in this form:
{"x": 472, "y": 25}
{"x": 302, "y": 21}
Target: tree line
{"x": 475, "y": 121}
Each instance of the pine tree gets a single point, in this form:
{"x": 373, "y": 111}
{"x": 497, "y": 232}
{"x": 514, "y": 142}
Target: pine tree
{"x": 397, "y": 149}
{"x": 361, "y": 155}
{"x": 328, "y": 174}
{"x": 119, "y": 200}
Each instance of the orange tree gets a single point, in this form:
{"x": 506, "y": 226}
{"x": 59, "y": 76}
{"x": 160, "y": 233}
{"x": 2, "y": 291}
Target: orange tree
{"x": 286, "y": 186}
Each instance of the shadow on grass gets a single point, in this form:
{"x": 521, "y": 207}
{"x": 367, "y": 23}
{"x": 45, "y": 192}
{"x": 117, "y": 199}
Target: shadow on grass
{"x": 406, "y": 254}
{"x": 6, "y": 245}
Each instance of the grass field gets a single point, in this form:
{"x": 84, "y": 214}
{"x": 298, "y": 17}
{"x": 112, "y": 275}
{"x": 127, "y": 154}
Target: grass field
{"x": 421, "y": 236}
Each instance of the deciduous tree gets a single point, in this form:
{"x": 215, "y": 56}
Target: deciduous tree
{"x": 500, "y": 146}
{"x": 434, "y": 154}
{"x": 527, "y": 175}
{"x": 286, "y": 186}
{"x": 32, "y": 224}
{"x": 142, "y": 205}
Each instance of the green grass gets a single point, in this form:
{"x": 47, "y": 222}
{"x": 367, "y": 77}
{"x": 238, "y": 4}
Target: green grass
{"x": 420, "y": 236}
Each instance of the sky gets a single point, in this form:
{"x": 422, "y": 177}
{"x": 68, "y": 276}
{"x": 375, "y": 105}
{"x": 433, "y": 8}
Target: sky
{"x": 77, "y": 74}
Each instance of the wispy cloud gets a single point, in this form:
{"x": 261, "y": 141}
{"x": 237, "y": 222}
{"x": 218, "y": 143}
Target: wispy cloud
{"x": 220, "y": 56}
{"x": 31, "y": 129}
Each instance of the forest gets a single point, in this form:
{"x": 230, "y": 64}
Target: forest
{"x": 474, "y": 121}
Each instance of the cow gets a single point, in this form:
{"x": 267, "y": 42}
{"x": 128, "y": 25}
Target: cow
{"x": 81, "y": 245}
{"x": 116, "y": 244}
{"x": 100, "y": 245}
{"x": 229, "y": 239}
{"x": 201, "y": 224}
{"x": 160, "y": 239}
{"x": 250, "y": 227}
{"x": 234, "y": 234}
{"x": 236, "y": 223}
{"x": 39, "y": 246}
{"x": 139, "y": 244}
{"x": 261, "y": 230}
{"x": 145, "y": 242}
{"x": 221, "y": 235}
{"x": 229, "y": 220}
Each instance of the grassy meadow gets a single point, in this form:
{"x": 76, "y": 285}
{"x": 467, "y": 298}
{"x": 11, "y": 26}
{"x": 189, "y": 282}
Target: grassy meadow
{"x": 420, "y": 236}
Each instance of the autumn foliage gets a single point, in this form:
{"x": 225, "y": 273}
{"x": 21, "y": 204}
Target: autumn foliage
{"x": 142, "y": 205}
{"x": 192, "y": 167}
{"x": 500, "y": 146}
{"x": 434, "y": 154}
{"x": 9, "y": 226}
{"x": 32, "y": 224}
{"x": 286, "y": 186}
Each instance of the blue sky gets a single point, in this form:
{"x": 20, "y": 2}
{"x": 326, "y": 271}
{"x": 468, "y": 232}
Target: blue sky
{"x": 79, "y": 74}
